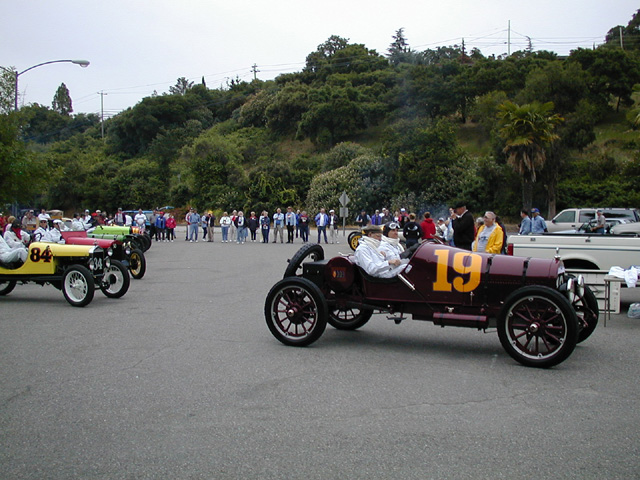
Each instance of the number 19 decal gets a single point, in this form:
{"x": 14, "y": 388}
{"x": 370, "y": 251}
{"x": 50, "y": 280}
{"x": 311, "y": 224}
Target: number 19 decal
{"x": 464, "y": 264}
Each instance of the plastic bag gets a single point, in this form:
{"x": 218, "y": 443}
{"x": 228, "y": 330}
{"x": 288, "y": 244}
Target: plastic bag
{"x": 634, "y": 310}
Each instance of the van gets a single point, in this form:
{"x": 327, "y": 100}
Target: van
{"x": 573, "y": 218}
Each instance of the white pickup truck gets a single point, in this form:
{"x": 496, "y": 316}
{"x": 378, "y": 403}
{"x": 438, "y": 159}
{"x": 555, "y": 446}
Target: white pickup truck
{"x": 579, "y": 252}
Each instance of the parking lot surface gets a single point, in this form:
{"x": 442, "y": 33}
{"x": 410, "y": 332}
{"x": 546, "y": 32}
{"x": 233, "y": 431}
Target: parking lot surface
{"x": 181, "y": 378}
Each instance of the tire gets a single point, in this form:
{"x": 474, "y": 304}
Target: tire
{"x": 7, "y": 287}
{"x": 538, "y": 327}
{"x": 145, "y": 241}
{"x": 588, "y": 313}
{"x": 296, "y": 311}
{"x": 78, "y": 286}
{"x": 137, "y": 264}
{"x": 354, "y": 239}
{"x": 115, "y": 281}
{"x": 310, "y": 251}
{"x": 349, "y": 318}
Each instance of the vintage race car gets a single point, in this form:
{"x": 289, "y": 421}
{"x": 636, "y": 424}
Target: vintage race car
{"x": 124, "y": 251}
{"x": 77, "y": 270}
{"x": 540, "y": 311}
{"x": 141, "y": 241}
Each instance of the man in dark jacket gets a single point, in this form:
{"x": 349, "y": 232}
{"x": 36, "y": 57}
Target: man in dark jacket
{"x": 463, "y": 229}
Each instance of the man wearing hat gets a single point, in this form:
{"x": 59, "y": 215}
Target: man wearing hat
{"x": 43, "y": 229}
{"x": 538, "y": 225}
{"x": 54, "y": 235}
{"x": 29, "y": 221}
{"x": 463, "y": 231}
{"x": 333, "y": 226}
{"x": 371, "y": 259}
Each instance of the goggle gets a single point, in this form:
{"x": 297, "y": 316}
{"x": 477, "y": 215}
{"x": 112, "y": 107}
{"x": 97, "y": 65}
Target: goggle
{"x": 394, "y": 226}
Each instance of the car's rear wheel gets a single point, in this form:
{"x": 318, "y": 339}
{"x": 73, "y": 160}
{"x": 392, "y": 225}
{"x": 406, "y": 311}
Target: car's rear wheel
{"x": 354, "y": 239}
{"x": 78, "y": 286}
{"x": 310, "y": 252}
{"x": 588, "y": 312}
{"x": 7, "y": 287}
{"x": 349, "y": 318}
{"x": 115, "y": 281}
{"x": 538, "y": 327}
{"x": 296, "y": 311}
{"x": 137, "y": 264}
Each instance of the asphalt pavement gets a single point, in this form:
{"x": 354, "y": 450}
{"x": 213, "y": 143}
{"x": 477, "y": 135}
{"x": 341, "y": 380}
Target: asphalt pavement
{"x": 181, "y": 379}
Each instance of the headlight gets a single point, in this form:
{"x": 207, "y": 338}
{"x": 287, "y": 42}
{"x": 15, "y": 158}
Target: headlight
{"x": 107, "y": 262}
{"x": 110, "y": 251}
{"x": 127, "y": 251}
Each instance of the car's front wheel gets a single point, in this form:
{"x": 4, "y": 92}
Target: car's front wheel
{"x": 78, "y": 286}
{"x": 137, "y": 264}
{"x": 587, "y": 309}
{"x": 115, "y": 281}
{"x": 296, "y": 311}
{"x": 538, "y": 327}
{"x": 7, "y": 287}
{"x": 354, "y": 239}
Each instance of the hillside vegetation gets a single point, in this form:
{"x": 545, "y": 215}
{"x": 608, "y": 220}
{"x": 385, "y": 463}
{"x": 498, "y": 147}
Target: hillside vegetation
{"x": 407, "y": 128}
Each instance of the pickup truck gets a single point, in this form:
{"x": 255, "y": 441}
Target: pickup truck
{"x": 579, "y": 251}
{"x": 572, "y": 218}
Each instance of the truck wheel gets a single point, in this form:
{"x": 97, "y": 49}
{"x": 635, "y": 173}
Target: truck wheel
{"x": 349, "y": 318}
{"x": 538, "y": 327}
{"x": 115, "y": 281}
{"x": 7, "y": 287}
{"x": 310, "y": 251}
{"x": 296, "y": 311}
{"x": 354, "y": 239}
{"x": 137, "y": 264}
{"x": 588, "y": 312}
{"x": 78, "y": 286}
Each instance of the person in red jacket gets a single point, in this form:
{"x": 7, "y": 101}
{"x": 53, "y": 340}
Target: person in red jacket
{"x": 428, "y": 227}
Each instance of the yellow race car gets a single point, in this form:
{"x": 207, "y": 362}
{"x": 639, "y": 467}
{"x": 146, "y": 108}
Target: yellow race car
{"x": 77, "y": 270}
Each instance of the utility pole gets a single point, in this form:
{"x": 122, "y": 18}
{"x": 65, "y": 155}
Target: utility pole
{"x": 254, "y": 69}
{"x": 621, "y": 43}
{"x": 509, "y": 39}
{"x": 102, "y": 94}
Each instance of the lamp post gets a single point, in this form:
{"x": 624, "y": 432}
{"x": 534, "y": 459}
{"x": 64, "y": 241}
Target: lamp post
{"x": 82, "y": 63}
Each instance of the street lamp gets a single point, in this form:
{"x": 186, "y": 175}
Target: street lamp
{"x": 82, "y": 63}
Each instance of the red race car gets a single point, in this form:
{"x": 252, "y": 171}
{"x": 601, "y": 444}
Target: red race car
{"x": 539, "y": 310}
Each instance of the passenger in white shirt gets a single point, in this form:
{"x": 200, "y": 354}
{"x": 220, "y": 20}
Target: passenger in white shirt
{"x": 369, "y": 257}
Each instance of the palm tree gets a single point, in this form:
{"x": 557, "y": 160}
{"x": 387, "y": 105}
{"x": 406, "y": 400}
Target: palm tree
{"x": 527, "y": 131}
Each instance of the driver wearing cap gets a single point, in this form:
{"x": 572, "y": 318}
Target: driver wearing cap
{"x": 371, "y": 259}
{"x": 43, "y": 228}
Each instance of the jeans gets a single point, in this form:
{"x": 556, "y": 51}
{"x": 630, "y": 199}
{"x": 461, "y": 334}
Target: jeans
{"x": 241, "y": 234}
{"x": 265, "y": 235}
{"x": 225, "y": 233}
{"x": 193, "y": 232}
{"x": 322, "y": 230}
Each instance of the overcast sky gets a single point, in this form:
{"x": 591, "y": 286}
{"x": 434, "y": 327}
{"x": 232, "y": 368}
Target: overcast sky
{"x": 138, "y": 46}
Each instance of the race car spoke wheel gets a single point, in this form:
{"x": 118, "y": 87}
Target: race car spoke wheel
{"x": 349, "y": 318}
{"x": 7, "y": 287}
{"x": 115, "y": 281}
{"x": 538, "y": 327}
{"x": 78, "y": 286}
{"x": 311, "y": 252}
{"x": 296, "y": 311}
{"x": 354, "y": 239}
{"x": 586, "y": 307}
{"x": 137, "y": 264}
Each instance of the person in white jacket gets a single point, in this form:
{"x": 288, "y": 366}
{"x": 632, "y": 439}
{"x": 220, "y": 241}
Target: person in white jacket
{"x": 368, "y": 256}
{"x": 14, "y": 244}
{"x": 390, "y": 245}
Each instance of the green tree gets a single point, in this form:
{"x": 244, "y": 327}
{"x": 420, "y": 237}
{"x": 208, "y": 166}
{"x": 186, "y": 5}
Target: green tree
{"x": 399, "y": 51}
{"x": 62, "y": 101}
{"x": 527, "y": 131}
{"x": 181, "y": 87}
{"x": 7, "y": 89}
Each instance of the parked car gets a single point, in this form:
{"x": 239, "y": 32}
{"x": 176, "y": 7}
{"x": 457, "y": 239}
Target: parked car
{"x": 77, "y": 270}
{"x": 122, "y": 250}
{"x": 590, "y": 226}
{"x": 632, "y": 228}
{"x": 540, "y": 312}
{"x": 572, "y": 218}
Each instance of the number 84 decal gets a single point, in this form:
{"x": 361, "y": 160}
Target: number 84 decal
{"x": 36, "y": 255}
{"x": 462, "y": 263}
